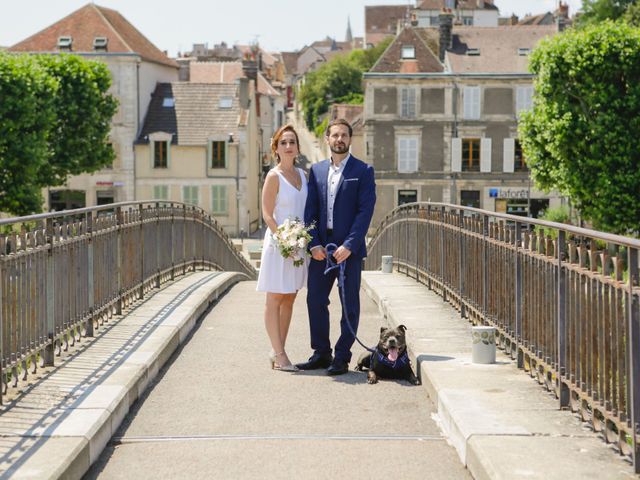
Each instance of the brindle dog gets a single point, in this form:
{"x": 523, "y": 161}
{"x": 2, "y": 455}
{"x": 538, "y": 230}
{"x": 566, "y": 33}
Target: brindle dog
{"x": 390, "y": 358}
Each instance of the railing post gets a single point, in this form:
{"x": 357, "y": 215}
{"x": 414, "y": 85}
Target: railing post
{"x": 90, "y": 266}
{"x": 485, "y": 265}
{"x": 2, "y": 302}
{"x": 119, "y": 221}
{"x": 48, "y": 353}
{"x": 518, "y": 295}
{"x": 184, "y": 239}
{"x": 158, "y": 245}
{"x": 563, "y": 390}
{"x": 462, "y": 262}
{"x": 442, "y": 256}
{"x": 633, "y": 381}
{"x": 173, "y": 244}
{"x": 141, "y": 220}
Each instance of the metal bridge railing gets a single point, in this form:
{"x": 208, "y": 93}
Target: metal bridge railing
{"x": 64, "y": 274}
{"x": 565, "y": 303}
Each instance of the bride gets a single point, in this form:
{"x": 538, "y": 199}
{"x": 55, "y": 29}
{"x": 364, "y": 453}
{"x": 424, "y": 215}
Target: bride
{"x": 283, "y": 197}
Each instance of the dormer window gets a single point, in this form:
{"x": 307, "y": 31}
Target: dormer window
{"x": 523, "y": 52}
{"x": 408, "y": 51}
{"x": 65, "y": 43}
{"x": 225, "y": 102}
{"x": 473, "y": 52}
{"x": 169, "y": 102}
{"x": 100, "y": 43}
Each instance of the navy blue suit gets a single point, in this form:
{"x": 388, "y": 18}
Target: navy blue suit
{"x": 352, "y": 212}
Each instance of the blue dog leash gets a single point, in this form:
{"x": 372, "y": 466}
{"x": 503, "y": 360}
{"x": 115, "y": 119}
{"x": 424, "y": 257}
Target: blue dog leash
{"x": 330, "y": 250}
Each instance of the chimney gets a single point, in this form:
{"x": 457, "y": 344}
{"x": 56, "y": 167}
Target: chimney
{"x": 561, "y": 23}
{"x": 243, "y": 92}
{"x": 250, "y": 69}
{"x": 446, "y": 37}
{"x": 563, "y": 10}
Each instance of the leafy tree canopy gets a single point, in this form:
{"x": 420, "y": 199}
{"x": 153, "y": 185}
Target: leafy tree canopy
{"x": 337, "y": 81}
{"x": 55, "y": 118}
{"x": 596, "y": 11}
{"x": 581, "y": 135}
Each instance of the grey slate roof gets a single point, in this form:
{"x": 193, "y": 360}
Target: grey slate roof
{"x": 196, "y": 115}
{"x": 498, "y": 48}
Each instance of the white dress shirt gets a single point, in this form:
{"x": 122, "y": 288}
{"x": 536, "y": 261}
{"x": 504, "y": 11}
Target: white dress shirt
{"x": 333, "y": 180}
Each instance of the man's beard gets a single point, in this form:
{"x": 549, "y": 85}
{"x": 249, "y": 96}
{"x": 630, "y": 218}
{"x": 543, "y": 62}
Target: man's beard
{"x": 342, "y": 148}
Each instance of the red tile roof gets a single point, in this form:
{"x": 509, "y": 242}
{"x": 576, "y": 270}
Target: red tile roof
{"x": 89, "y": 22}
{"x": 384, "y": 18}
{"x": 426, "y": 59}
{"x": 226, "y": 72}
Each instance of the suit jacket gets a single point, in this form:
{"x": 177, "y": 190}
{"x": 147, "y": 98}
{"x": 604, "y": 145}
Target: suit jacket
{"x": 352, "y": 209}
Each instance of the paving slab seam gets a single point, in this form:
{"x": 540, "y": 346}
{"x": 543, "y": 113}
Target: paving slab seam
{"x": 470, "y": 421}
{"x": 85, "y": 426}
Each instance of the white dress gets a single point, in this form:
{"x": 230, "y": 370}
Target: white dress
{"x": 278, "y": 274}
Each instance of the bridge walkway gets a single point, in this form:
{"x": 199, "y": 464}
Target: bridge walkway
{"x": 219, "y": 411}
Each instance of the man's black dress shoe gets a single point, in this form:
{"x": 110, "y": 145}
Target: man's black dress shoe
{"x": 315, "y": 362}
{"x": 338, "y": 367}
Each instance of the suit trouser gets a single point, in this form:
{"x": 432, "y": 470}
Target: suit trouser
{"x": 319, "y": 288}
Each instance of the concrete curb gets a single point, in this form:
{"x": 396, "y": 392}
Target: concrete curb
{"x": 70, "y": 435}
{"x": 502, "y": 423}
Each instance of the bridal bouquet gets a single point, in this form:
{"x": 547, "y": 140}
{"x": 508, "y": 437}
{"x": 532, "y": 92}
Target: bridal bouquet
{"x": 292, "y": 238}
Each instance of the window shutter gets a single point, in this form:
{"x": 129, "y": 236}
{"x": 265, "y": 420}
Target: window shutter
{"x": 508, "y": 158}
{"x": 407, "y": 154}
{"x": 456, "y": 154}
{"x": 485, "y": 155}
{"x": 524, "y": 98}
{"x": 471, "y": 101}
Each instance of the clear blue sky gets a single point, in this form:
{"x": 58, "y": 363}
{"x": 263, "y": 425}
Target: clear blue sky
{"x": 278, "y": 25}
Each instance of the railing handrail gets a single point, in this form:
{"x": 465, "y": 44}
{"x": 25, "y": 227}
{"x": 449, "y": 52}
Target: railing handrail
{"x": 604, "y": 236}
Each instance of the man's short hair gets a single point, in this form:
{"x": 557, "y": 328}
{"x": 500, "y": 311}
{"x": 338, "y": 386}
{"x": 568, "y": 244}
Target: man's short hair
{"x": 338, "y": 121}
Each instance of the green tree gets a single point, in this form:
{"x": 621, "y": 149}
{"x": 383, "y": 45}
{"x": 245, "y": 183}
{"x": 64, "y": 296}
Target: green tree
{"x": 632, "y": 15}
{"x": 337, "y": 81}
{"x": 26, "y": 114}
{"x": 55, "y": 117}
{"x": 581, "y": 135}
{"x": 84, "y": 111}
{"x": 596, "y": 11}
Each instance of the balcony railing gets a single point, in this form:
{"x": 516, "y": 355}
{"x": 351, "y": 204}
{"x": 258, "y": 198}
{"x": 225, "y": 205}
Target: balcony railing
{"x": 64, "y": 274}
{"x": 564, "y": 300}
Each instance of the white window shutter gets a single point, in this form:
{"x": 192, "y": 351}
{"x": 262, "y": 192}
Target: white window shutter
{"x": 508, "y": 158}
{"x": 456, "y": 154}
{"x": 485, "y": 155}
{"x": 471, "y": 99}
{"x": 476, "y": 103}
{"x": 407, "y": 154}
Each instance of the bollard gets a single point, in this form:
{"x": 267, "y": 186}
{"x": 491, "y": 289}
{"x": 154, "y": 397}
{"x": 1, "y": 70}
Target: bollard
{"x": 484, "y": 345}
{"x": 387, "y": 263}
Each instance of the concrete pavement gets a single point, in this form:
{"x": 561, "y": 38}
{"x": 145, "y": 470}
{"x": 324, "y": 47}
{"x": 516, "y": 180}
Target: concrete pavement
{"x": 219, "y": 411}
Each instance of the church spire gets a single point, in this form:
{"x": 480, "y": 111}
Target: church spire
{"x": 349, "y": 37}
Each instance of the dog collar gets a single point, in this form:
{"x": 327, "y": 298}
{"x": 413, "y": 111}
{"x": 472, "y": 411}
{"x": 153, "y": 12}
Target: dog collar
{"x": 398, "y": 364}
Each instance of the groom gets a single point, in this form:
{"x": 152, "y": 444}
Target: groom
{"x": 340, "y": 201}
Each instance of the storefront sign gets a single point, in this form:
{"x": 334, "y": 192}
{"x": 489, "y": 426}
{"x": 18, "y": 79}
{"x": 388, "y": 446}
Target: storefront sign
{"x": 508, "y": 193}
{"x": 104, "y": 184}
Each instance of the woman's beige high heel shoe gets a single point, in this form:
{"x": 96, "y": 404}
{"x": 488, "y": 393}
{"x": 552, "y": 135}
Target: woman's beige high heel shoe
{"x": 272, "y": 358}
{"x": 284, "y": 368}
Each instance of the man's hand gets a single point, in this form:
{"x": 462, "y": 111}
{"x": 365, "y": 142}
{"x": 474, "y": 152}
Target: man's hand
{"x": 341, "y": 254}
{"x": 318, "y": 253}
